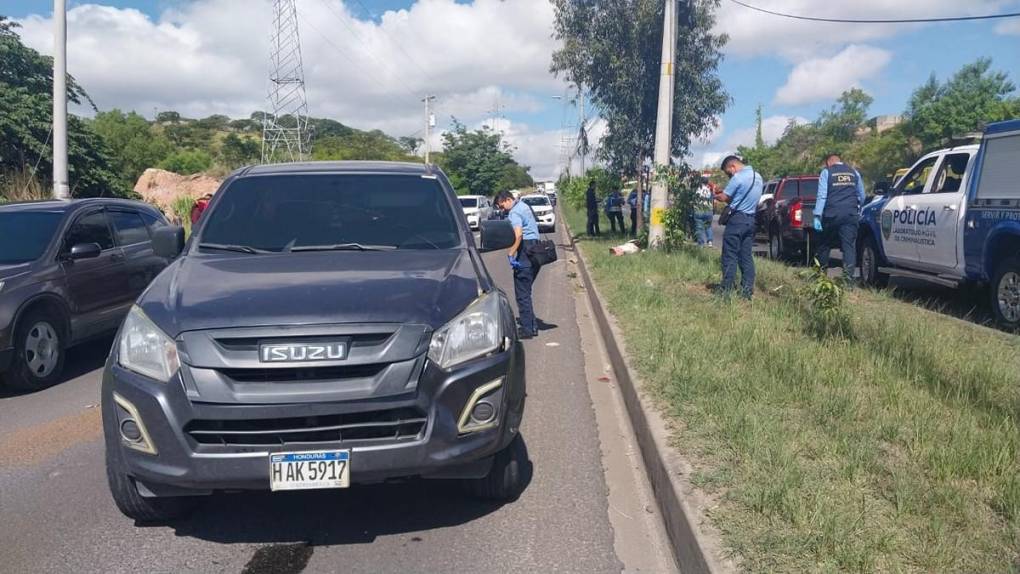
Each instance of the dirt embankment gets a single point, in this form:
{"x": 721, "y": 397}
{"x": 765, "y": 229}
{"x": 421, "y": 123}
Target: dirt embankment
{"x": 161, "y": 188}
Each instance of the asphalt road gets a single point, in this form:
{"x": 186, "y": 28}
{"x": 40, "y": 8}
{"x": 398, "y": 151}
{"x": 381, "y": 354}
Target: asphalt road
{"x": 56, "y": 514}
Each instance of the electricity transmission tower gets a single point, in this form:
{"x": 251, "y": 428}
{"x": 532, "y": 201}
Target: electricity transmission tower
{"x": 285, "y": 125}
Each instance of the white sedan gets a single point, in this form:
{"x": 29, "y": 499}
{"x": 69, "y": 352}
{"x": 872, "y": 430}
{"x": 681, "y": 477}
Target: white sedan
{"x": 477, "y": 208}
{"x": 544, "y": 212}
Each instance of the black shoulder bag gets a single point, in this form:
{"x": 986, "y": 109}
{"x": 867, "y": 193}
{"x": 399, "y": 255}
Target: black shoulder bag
{"x": 543, "y": 251}
{"x": 728, "y": 212}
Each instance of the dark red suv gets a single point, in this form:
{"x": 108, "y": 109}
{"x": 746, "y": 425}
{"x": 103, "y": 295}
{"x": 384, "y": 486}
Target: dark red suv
{"x": 785, "y": 219}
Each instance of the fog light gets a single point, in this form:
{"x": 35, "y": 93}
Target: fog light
{"x": 130, "y": 431}
{"x": 483, "y": 412}
{"x": 132, "y": 425}
{"x": 478, "y": 414}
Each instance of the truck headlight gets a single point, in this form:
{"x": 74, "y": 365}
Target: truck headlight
{"x": 472, "y": 334}
{"x": 145, "y": 349}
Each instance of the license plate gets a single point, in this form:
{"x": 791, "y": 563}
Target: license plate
{"x": 310, "y": 470}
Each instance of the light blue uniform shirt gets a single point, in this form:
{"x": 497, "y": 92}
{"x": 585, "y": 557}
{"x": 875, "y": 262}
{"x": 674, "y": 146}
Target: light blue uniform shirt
{"x": 522, "y": 216}
{"x": 744, "y": 190}
{"x": 823, "y": 190}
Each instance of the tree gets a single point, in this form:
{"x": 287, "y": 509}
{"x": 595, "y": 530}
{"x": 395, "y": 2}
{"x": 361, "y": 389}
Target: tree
{"x": 613, "y": 49}
{"x": 215, "y": 122}
{"x": 972, "y": 97}
{"x": 134, "y": 146}
{"x": 26, "y": 104}
{"x": 168, "y": 117}
{"x": 359, "y": 145}
{"x": 187, "y": 162}
{"x": 411, "y": 144}
{"x": 479, "y": 162}
{"x": 237, "y": 151}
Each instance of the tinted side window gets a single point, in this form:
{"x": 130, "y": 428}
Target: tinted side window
{"x": 809, "y": 188}
{"x": 153, "y": 221}
{"x": 787, "y": 190}
{"x": 950, "y": 176}
{"x": 90, "y": 228}
{"x": 130, "y": 227}
{"x": 915, "y": 181}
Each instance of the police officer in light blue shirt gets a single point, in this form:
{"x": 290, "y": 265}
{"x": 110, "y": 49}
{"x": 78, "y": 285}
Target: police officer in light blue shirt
{"x": 837, "y": 212}
{"x": 742, "y": 194}
{"x": 525, "y": 272}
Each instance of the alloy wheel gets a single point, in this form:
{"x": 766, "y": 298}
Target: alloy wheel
{"x": 42, "y": 349}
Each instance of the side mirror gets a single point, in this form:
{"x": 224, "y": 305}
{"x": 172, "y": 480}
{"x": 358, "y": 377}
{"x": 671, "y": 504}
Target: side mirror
{"x": 497, "y": 234}
{"x": 85, "y": 251}
{"x": 883, "y": 188}
{"x": 168, "y": 242}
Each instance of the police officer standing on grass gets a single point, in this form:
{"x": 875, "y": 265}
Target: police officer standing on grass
{"x": 837, "y": 213}
{"x": 742, "y": 194}
{"x": 525, "y": 272}
{"x": 592, "y": 203}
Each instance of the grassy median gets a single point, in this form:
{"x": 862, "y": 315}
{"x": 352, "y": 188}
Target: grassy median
{"x": 891, "y": 447}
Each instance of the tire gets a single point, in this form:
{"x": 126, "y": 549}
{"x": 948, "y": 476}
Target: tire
{"x": 507, "y": 477}
{"x": 137, "y": 507}
{"x": 39, "y": 352}
{"x": 868, "y": 263}
{"x": 1005, "y": 293}
{"x": 776, "y": 247}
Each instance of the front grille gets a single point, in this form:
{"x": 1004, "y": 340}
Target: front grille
{"x": 386, "y": 425}
{"x": 310, "y": 374}
{"x": 252, "y": 343}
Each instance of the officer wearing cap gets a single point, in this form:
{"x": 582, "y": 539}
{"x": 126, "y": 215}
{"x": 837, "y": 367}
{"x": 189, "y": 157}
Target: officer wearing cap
{"x": 837, "y": 212}
{"x": 742, "y": 194}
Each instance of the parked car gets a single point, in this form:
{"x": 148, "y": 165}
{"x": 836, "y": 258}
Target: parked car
{"x": 544, "y": 212}
{"x": 551, "y": 193}
{"x": 786, "y": 221}
{"x": 477, "y": 208}
{"x": 69, "y": 271}
{"x": 953, "y": 219}
{"x": 329, "y": 324}
{"x": 761, "y": 214}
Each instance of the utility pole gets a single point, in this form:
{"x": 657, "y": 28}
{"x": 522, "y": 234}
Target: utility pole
{"x": 430, "y": 121}
{"x": 663, "y": 124}
{"x": 285, "y": 127}
{"x": 61, "y": 189}
{"x": 584, "y": 127}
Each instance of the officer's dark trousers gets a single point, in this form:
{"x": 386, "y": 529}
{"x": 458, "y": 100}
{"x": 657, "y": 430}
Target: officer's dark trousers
{"x": 841, "y": 230}
{"x": 737, "y": 250}
{"x": 616, "y": 217}
{"x": 524, "y": 279}
{"x": 593, "y": 223}
{"x": 633, "y": 222}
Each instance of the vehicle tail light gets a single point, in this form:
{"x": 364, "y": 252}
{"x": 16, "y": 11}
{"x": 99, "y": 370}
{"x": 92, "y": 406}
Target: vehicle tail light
{"x": 797, "y": 213}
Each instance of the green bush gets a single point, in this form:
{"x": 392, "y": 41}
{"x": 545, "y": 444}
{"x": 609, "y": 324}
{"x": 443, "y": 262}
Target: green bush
{"x": 187, "y": 162}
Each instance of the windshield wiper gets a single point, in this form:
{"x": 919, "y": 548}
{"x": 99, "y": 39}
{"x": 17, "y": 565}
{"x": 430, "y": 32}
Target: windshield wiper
{"x": 344, "y": 247}
{"x": 235, "y": 248}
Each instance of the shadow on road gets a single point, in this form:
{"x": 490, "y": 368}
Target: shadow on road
{"x": 81, "y": 359}
{"x": 337, "y": 517}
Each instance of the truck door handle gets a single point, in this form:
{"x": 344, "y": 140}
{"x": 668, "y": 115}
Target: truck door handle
{"x": 914, "y": 207}
{"x": 948, "y": 208}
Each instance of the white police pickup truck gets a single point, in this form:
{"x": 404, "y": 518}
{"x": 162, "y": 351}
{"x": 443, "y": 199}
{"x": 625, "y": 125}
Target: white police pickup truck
{"x": 953, "y": 219}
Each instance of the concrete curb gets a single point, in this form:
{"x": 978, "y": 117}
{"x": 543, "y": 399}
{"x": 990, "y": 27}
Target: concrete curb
{"x": 693, "y": 552}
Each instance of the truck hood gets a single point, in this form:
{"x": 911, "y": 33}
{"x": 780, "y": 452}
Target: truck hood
{"x": 202, "y": 292}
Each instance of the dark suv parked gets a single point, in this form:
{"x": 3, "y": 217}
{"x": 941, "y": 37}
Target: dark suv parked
{"x": 785, "y": 220}
{"x": 68, "y": 271}
{"x": 329, "y": 323}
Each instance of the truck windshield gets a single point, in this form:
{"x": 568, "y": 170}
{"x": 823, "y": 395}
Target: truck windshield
{"x": 25, "y": 235}
{"x": 296, "y": 212}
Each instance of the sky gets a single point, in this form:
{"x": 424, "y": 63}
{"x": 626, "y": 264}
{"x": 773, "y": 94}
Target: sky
{"x": 368, "y": 63}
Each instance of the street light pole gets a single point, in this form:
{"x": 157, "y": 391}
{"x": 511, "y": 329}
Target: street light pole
{"x": 61, "y": 189}
{"x": 663, "y": 124}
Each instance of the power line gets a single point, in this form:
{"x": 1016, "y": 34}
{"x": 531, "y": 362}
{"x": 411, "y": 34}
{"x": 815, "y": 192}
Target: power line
{"x": 876, "y": 20}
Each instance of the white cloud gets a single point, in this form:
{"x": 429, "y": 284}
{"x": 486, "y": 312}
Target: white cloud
{"x": 210, "y": 56}
{"x": 826, "y": 78}
{"x": 772, "y": 128}
{"x": 753, "y": 33}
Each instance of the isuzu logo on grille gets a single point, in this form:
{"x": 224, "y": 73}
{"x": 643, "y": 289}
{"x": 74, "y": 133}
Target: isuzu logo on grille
{"x": 299, "y": 352}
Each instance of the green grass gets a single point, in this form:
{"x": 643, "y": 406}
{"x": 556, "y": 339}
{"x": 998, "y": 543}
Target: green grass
{"x": 893, "y": 449}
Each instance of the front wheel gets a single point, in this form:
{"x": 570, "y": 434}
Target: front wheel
{"x": 507, "y": 477}
{"x": 1005, "y": 292}
{"x": 137, "y": 507}
{"x": 870, "y": 275}
{"x": 39, "y": 352}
